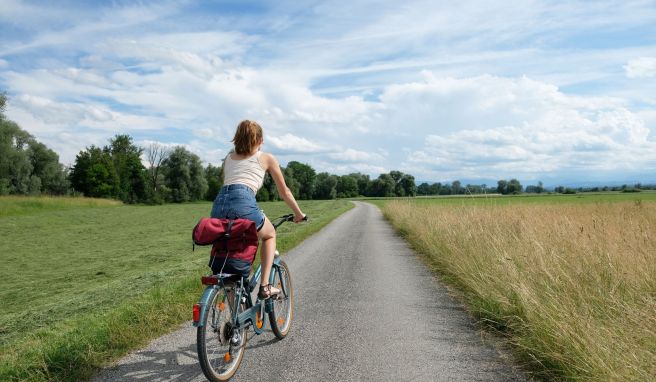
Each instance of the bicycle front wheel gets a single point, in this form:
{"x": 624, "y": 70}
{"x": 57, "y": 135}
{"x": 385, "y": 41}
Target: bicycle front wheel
{"x": 219, "y": 343}
{"x": 281, "y": 315}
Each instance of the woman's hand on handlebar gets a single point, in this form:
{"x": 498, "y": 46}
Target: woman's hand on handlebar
{"x": 299, "y": 218}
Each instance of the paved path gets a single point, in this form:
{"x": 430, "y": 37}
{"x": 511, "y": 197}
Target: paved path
{"x": 365, "y": 310}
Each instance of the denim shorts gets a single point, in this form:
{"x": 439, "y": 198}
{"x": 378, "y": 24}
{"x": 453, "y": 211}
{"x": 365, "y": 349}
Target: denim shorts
{"x": 237, "y": 201}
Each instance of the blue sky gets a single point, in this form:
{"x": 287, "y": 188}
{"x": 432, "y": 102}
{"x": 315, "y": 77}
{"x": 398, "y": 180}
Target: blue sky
{"x": 470, "y": 90}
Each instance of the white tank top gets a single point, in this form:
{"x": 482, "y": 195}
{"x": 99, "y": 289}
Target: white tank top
{"x": 247, "y": 171}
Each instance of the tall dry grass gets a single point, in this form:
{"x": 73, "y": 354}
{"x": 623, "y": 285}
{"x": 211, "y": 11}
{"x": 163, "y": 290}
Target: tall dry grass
{"x": 573, "y": 286}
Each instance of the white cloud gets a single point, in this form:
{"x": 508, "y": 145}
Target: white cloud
{"x": 364, "y": 168}
{"x": 91, "y": 115}
{"x": 289, "y": 143}
{"x": 643, "y": 67}
{"x": 351, "y": 155}
{"x": 3, "y": 64}
{"x": 498, "y": 127}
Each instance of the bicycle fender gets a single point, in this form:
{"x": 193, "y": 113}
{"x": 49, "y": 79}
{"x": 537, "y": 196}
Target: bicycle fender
{"x": 205, "y": 299}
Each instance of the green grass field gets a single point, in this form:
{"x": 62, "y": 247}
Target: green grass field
{"x": 570, "y": 281}
{"x": 83, "y": 281}
{"x": 26, "y": 205}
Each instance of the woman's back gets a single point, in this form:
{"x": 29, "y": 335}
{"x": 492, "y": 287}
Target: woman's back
{"x": 248, "y": 171}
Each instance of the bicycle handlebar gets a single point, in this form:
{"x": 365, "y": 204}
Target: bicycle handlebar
{"x": 287, "y": 218}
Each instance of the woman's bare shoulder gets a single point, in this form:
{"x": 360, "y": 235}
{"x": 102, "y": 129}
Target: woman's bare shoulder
{"x": 268, "y": 159}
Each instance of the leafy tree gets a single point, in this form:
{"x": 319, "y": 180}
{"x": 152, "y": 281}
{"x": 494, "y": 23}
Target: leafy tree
{"x": 131, "y": 172}
{"x": 408, "y": 185}
{"x": 214, "y": 179}
{"x": 198, "y": 186}
{"x": 363, "y": 182}
{"x": 424, "y": 189}
{"x": 399, "y": 190}
{"x": 269, "y": 191}
{"x": 94, "y": 173}
{"x": 46, "y": 167}
{"x": 290, "y": 180}
{"x": 325, "y": 187}
{"x": 26, "y": 165}
{"x": 347, "y": 186}
{"x": 262, "y": 195}
{"x": 396, "y": 175}
{"x": 184, "y": 176}
{"x": 509, "y": 187}
{"x": 445, "y": 189}
{"x": 383, "y": 186}
{"x": 502, "y": 187}
{"x": 305, "y": 176}
{"x": 78, "y": 173}
{"x": 436, "y": 188}
{"x": 15, "y": 166}
{"x": 514, "y": 187}
{"x": 115, "y": 171}
{"x": 537, "y": 189}
{"x": 35, "y": 185}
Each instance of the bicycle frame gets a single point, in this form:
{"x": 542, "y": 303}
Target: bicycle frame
{"x": 247, "y": 317}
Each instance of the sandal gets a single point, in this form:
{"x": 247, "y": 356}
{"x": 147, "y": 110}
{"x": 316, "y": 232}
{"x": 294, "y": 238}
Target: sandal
{"x": 267, "y": 291}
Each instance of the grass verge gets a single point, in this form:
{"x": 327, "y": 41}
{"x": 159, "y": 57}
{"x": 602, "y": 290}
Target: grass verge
{"x": 572, "y": 286}
{"x": 101, "y": 281}
{"x": 26, "y": 205}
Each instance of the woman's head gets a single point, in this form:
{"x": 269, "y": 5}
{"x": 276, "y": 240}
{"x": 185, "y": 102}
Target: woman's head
{"x": 247, "y": 137}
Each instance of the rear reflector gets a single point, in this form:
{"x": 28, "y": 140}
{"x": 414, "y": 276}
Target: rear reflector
{"x": 209, "y": 280}
{"x": 196, "y": 312}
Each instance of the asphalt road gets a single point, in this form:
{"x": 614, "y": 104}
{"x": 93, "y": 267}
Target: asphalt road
{"x": 366, "y": 309}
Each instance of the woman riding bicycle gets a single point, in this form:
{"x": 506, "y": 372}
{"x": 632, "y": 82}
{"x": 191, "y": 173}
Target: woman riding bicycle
{"x": 244, "y": 169}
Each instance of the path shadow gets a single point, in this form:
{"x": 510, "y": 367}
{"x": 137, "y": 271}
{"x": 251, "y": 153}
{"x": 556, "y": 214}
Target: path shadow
{"x": 179, "y": 364}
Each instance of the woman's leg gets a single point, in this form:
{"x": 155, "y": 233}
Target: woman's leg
{"x": 268, "y": 236}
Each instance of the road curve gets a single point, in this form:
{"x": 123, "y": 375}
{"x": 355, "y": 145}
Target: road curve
{"x": 366, "y": 309}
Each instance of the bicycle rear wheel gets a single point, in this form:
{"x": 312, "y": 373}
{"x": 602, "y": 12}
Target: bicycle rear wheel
{"x": 220, "y": 345}
{"x": 281, "y": 316}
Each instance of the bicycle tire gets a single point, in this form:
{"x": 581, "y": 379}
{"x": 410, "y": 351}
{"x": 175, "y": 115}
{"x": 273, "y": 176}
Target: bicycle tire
{"x": 282, "y": 313}
{"x": 218, "y": 359}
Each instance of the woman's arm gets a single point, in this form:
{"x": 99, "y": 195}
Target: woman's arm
{"x": 271, "y": 164}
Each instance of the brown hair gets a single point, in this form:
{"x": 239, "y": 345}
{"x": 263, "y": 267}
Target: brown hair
{"x": 247, "y": 136}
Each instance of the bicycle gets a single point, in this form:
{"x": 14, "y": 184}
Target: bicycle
{"x": 226, "y": 311}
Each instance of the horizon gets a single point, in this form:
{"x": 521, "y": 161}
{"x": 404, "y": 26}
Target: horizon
{"x": 538, "y": 91}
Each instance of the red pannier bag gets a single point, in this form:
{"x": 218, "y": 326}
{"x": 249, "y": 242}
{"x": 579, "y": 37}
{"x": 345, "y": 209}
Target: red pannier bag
{"x": 234, "y": 244}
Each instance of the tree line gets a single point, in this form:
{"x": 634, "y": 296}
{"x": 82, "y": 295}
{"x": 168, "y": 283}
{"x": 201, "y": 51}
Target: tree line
{"x": 116, "y": 170}
{"x": 177, "y": 175}
{"x": 504, "y": 187}
{"x": 304, "y": 182}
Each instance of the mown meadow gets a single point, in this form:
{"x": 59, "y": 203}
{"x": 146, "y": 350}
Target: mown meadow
{"x": 84, "y": 281}
{"x": 570, "y": 281}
